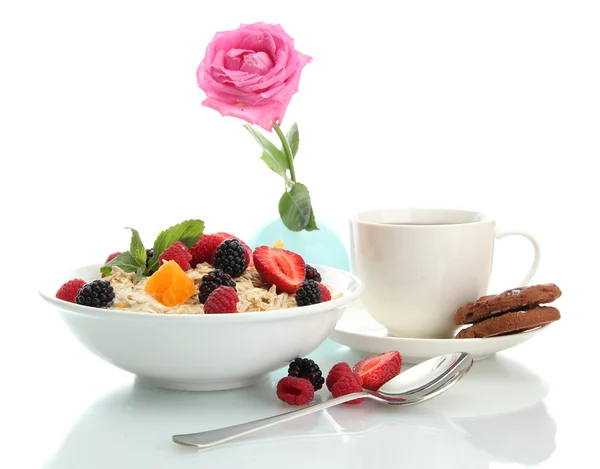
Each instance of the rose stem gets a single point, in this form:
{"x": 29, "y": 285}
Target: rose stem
{"x": 287, "y": 150}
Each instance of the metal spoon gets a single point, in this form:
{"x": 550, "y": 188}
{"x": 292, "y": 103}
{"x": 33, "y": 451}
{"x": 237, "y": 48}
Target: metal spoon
{"x": 417, "y": 384}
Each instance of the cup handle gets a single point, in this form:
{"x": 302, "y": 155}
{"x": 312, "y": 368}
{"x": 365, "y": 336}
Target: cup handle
{"x": 536, "y": 248}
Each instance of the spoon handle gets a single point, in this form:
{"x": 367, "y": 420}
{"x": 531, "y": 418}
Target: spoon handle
{"x": 221, "y": 435}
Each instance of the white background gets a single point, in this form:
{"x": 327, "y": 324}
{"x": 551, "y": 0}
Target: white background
{"x": 483, "y": 105}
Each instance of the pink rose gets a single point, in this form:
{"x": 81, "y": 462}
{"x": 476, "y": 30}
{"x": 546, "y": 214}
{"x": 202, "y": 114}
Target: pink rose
{"x": 251, "y": 73}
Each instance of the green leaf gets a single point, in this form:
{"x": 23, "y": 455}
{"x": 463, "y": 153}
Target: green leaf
{"x": 188, "y": 232}
{"x": 136, "y": 247}
{"x": 140, "y": 273}
{"x": 272, "y": 155}
{"x": 274, "y": 164}
{"x": 125, "y": 261}
{"x": 312, "y": 223}
{"x": 293, "y": 138}
{"x": 295, "y": 207}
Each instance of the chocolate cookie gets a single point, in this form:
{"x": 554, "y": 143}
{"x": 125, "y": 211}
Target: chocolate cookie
{"x": 513, "y": 321}
{"x": 510, "y": 300}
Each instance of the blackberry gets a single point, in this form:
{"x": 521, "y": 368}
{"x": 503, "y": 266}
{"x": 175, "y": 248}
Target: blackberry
{"x": 230, "y": 257}
{"x": 98, "y": 294}
{"x": 309, "y": 293}
{"x": 213, "y": 280}
{"x": 149, "y": 255}
{"x": 307, "y": 369}
{"x": 312, "y": 273}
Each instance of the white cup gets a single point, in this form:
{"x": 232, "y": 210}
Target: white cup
{"x": 420, "y": 265}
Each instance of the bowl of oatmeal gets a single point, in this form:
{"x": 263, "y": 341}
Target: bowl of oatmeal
{"x": 198, "y": 328}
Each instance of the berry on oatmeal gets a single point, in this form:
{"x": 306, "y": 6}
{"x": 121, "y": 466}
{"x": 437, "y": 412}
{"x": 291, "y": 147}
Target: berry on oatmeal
{"x": 98, "y": 294}
{"x": 247, "y": 250}
{"x": 307, "y": 369}
{"x": 230, "y": 257}
{"x": 280, "y": 267}
{"x": 312, "y": 274}
{"x": 377, "y": 370}
{"x": 111, "y": 257}
{"x": 204, "y": 249}
{"x": 337, "y": 371}
{"x": 177, "y": 252}
{"x": 295, "y": 391}
{"x": 348, "y": 384}
{"x": 223, "y": 300}
{"x": 68, "y": 290}
{"x": 169, "y": 285}
{"x": 213, "y": 280}
{"x": 309, "y": 293}
{"x": 325, "y": 293}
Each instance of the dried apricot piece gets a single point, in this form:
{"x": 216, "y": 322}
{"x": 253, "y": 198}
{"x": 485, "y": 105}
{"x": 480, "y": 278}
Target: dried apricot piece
{"x": 170, "y": 285}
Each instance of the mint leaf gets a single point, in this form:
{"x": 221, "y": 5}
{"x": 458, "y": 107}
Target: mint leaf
{"x": 312, "y": 223}
{"x": 293, "y": 138}
{"x": 125, "y": 261}
{"x": 272, "y": 155}
{"x": 136, "y": 247}
{"x": 188, "y": 232}
{"x": 295, "y": 207}
{"x": 140, "y": 273}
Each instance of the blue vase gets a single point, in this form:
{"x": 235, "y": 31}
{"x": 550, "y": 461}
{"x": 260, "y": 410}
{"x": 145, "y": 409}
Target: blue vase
{"x": 323, "y": 246}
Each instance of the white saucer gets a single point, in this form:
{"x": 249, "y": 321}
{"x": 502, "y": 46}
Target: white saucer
{"x": 358, "y": 330}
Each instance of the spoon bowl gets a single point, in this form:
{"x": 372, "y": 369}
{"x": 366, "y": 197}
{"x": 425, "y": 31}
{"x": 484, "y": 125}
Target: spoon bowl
{"x": 417, "y": 384}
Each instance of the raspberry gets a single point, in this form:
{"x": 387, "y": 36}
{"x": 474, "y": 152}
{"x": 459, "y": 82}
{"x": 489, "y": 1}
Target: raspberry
{"x": 307, "y": 369}
{"x": 111, "y": 257}
{"x": 204, "y": 249}
{"x": 179, "y": 253}
{"x": 309, "y": 293}
{"x": 325, "y": 293}
{"x": 312, "y": 273}
{"x": 347, "y": 384}
{"x": 222, "y": 300}
{"x": 98, "y": 294}
{"x": 68, "y": 290}
{"x": 213, "y": 280}
{"x": 295, "y": 391}
{"x": 230, "y": 257}
{"x": 336, "y": 372}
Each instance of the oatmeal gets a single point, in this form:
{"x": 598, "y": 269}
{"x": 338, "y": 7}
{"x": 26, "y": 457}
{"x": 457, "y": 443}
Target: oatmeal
{"x": 253, "y": 294}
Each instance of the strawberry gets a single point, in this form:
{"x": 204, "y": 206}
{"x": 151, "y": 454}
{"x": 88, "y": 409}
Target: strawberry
{"x": 279, "y": 267}
{"x": 377, "y": 370}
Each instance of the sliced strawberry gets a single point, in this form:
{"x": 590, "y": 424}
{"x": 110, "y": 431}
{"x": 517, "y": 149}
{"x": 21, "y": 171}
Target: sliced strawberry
{"x": 223, "y": 236}
{"x": 377, "y": 370}
{"x": 325, "y": 293}
{"x": 279, "y": 267}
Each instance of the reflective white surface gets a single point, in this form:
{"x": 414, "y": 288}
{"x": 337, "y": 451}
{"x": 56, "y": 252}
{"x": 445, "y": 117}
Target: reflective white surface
{"x": 489, "y": 106}
{"x": 519, "y": 407}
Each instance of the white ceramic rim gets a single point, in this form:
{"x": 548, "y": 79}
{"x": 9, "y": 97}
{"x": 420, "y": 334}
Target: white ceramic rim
{"x": 428, "y": 340}
{"x": 483, "y": 217}
{"x": 351, "y": 293}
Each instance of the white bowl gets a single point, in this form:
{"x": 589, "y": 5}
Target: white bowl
{"x": 204, "y": 352}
